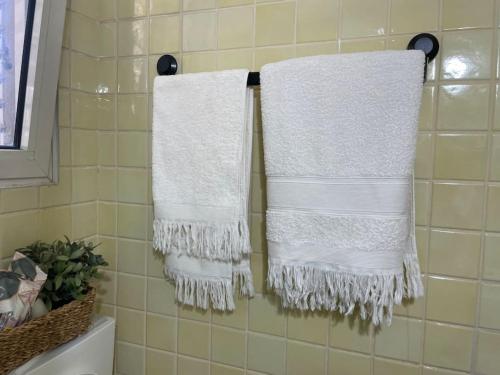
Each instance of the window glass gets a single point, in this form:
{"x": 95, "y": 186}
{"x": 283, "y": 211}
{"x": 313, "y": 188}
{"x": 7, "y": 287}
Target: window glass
{"x": 16, "y": 18}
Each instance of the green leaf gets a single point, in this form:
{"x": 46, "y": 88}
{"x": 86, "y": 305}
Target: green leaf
{"x": 64, "y": 258}
{"x": 78, "y": 267}
{"x": 49, "y": 285}
{"x": 59, "y": 267}
{"x": 44, "y": 256}
{"x": 77, "y": 254}
{"x": 69, "y": 268}
{"x": 58, "y": 281}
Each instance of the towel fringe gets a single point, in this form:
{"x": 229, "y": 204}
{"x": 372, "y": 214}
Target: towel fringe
{"x": 306, "y": 287}
{"x": 206, "y": 240}
{"x": 202, "y": 292}
{"x": 244, "y": 279}
{"x": 413, "y": 279}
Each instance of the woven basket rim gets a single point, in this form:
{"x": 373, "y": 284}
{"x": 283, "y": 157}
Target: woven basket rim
{"x": 89, "y": 296}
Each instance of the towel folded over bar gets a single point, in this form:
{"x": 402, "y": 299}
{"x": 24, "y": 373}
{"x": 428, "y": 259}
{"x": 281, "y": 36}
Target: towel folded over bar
{"x": 339, "y": 146}
{"x": 202, "y": 137}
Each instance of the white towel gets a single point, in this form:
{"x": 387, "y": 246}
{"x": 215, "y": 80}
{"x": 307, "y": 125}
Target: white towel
{"x": 339, "y": 145}
{"x": 202, "y": 136}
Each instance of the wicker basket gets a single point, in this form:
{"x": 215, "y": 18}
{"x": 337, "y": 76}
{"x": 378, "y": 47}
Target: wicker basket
{"x": 20, "y": 344}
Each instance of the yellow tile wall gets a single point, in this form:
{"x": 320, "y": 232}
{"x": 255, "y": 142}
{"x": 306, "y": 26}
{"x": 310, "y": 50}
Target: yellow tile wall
{"x": 109, "y": 58}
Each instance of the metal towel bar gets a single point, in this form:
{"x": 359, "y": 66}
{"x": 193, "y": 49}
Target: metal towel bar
{"x": 167, "y": 64}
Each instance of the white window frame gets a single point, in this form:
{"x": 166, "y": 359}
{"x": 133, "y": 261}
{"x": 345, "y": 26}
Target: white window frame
{"x": 36, "y": 162}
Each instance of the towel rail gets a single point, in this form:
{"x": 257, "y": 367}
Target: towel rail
{"x": 428, "y": 43}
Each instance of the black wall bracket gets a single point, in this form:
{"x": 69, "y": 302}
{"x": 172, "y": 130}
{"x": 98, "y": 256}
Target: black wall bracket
{"x": 427, "y": 43}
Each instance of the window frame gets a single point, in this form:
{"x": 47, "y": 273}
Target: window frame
{"x": 36, "y": 161}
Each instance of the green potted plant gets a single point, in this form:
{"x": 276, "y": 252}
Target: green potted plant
{"x": 70, "y": 268}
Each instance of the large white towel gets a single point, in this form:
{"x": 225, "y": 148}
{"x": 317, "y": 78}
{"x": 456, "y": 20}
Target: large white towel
{"x": 339, "y": 145}
{"x": 202, "y": 136}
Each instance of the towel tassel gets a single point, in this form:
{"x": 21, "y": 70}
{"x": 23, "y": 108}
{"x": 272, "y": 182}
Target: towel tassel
{"x": 306, "y": 287}
{"x": 199, "y": 292}
{"x": 211, "y": 241}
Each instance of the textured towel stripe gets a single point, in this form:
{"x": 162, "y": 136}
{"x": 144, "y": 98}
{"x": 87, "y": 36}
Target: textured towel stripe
{"x": 346, "y": 259}
{"x": 186, "y": 212}
{"x": 355, "y": 195}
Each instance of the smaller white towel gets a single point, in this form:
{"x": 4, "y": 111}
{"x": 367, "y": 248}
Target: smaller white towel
{"x": 339, "y": 146}
{"x": 202, "y": 137}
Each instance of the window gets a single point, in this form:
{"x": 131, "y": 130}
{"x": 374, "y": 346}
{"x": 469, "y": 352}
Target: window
{"x": 16, "y": 26}
{"x": 31, "y": 34}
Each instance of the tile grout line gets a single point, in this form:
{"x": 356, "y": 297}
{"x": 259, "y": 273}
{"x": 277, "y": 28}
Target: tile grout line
{"x": 435, "y": 86}
{"x": 210, "y": 333}
{"x": 148, "y": 151}
{"x": 484, "y": 218}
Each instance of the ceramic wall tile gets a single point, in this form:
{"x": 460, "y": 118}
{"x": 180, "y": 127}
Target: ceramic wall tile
{"x": 448, "y": 346}
{"x": 452, "y": 300}
{"x": 266, "y": 353}
{"x": 414, "y": 16}
{"x": 463, "y": 14}
{"x": 228, "y": 346}
{"x": 466, "y": 54}
{"x": 317, "y": 20}
{"x": 487, "y": 361}
{"x": 164, "y": 34}
{"x": 199, "y": 31}
{"x": 457, "y": 205}
{"x": 132, "y": 37}
{"x": 131, "y": 8}
{"x": 304, "y": 358}
{"x": 361, "y": 19}
{"x": 463, "y": 107}
{"x": 348, "y": 363}
{"x": 489, "y": 314}
{"x": 235, "y": 27}
{"x": 163, "y": 6}
{"x": 491, "y": 263}
{"x": 274, "y": 24}
{"x": 454, "y": 253}
{"x": 461, "y": 156}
